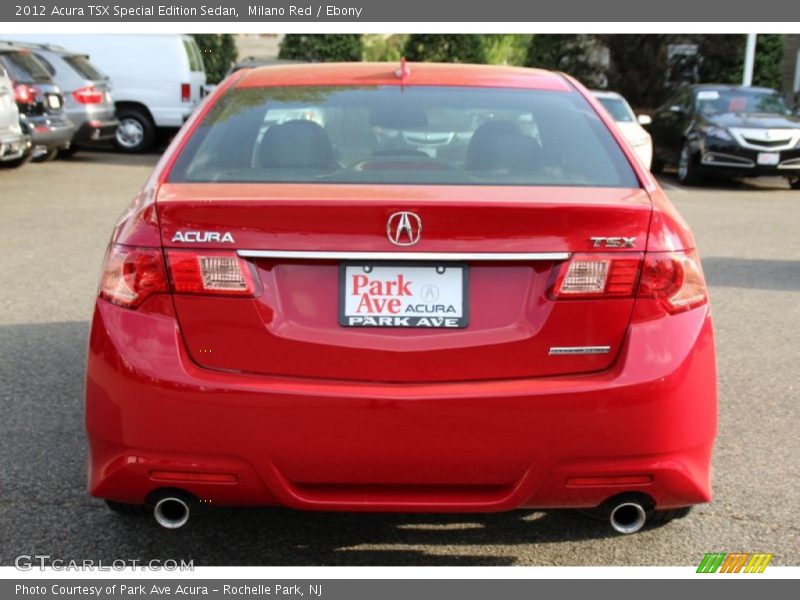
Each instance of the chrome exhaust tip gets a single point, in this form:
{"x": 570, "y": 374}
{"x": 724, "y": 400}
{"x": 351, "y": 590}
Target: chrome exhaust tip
{"x": 171, "y": 512}
{"x": 627, "y": 517}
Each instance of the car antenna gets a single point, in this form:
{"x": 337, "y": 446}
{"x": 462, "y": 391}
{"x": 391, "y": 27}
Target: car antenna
{"x": 403, "y": 72}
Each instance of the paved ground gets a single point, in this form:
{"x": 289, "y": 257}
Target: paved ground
{"x": 55, "y": 221}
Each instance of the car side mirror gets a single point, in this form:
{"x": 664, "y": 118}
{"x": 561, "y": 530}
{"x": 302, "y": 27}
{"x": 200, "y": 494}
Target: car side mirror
{"x": 677, "y": 109}
{"x": 644, "y": 120}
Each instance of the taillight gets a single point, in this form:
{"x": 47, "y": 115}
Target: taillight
{"x": 186, "y": 92}
{"x": 24, "y": 93}
{"x": 597, "y": 276}
{"x": 88, "y": 95}
{"x": 210, "y": 272}
{"x": 131, "y": 275}
{"x": 675, "y": 279}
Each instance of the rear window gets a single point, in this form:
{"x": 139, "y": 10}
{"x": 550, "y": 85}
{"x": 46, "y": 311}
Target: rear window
{"x": 193, "y": 54}
{"x": 23, "y": 67}
{"x": 395, "y": 135}
{"x": 618, "y": 109}
{"x": 81, "y": 65}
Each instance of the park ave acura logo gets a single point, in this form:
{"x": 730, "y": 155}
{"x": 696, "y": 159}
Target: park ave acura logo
{"x": 404, "y": 228}
{"x": 203, "y": 236}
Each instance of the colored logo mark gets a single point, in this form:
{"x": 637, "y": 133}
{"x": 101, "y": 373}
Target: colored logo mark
{"x": 735, "y": 562}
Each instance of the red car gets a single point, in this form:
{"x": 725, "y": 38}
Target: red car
{"x": 432, "y": 287}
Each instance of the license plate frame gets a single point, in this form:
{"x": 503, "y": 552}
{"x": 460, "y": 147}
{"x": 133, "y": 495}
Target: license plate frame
{"x": 405, "y": 321}
{"x": 768, "y": 159}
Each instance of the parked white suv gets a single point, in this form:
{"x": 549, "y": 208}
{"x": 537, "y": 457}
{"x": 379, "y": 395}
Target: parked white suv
{"x": 14, "y": 144}
{"x": 157, "y": 80}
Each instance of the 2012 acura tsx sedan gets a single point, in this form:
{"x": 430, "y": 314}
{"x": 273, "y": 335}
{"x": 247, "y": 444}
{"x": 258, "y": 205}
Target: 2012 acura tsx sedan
{"x": 424, "y": 287}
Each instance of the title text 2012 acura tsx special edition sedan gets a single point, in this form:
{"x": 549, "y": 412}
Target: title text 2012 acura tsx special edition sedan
{"x": 364, "y": 287}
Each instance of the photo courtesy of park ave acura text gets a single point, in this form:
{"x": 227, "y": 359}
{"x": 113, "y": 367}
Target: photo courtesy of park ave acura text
{"x": 396, "y": 299}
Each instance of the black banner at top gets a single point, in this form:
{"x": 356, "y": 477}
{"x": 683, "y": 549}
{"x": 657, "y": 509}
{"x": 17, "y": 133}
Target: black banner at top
{"x": 372, "y": 11}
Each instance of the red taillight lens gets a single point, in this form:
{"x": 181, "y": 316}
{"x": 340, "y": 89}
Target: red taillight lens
{"x": 131, "y": 275}
{"x": 186, "y": 92}
{"x": 88, "y": 95}
{"x": 675, "y": 279}
{"x": 597, "y": 276}
{"x": 210, "y": 272}
{"x": 24, "y": 93}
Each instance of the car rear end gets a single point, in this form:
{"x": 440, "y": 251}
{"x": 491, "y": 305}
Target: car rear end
{"x": 39, "y": 101}
{"x": 330, "y": 317}
{"x": 87, "y": 94}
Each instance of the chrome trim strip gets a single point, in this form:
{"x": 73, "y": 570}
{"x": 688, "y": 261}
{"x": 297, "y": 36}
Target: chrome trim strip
{"x": 727, "y": 160}
{"x": 556, "y": 350}
{"x": 426, "y": 256}
{"x": 793, "y": 163}
{"x": 789, "y": 136}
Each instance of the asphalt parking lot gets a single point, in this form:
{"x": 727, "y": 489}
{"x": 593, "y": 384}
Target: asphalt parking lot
{"x": 55, "y": 222}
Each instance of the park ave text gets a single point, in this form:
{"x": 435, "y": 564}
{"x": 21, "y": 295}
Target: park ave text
{"x": 105, "y": 11}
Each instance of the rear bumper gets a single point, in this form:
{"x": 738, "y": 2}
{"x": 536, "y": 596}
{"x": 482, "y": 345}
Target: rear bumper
{"x": 154, "y": 419}
{"x": 14, "y": 146}
{"x": 49, "y": 131}
{"x": 96, "y": 131}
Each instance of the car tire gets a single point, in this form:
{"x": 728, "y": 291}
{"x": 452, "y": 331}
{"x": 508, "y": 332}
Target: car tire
{"x": 47, "y": 156}
{"x": 795, "y": 183}
{"x": 126, "y": 509}
{"x": 15, "y": 163}
{"x": 688, "y": 171}
{"x": 136, "y": 132}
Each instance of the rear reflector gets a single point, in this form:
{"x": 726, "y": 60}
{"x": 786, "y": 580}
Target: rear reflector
{"x": 199, "y": 477}
{"x": 210, "y": 272}
{"x": 131, "y": 275}
{"x": 186, "y": 92}
{"x": 88, "y": 95}
{"x": 597, "y": 276}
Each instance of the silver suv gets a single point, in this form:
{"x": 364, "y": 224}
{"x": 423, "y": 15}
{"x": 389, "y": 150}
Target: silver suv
{"x": 87, "y": 93}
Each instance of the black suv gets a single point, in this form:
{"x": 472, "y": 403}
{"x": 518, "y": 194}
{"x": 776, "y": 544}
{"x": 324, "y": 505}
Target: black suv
{"x": 729, "y": 130}
{"x": 40, "y": 102}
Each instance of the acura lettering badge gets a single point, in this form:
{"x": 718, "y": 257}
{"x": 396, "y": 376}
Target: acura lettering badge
{"x": 404, "y": 228}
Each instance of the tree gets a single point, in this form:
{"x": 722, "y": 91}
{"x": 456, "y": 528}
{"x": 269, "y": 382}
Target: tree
{"x": 506, "y": 49}
{"x": 322, "y": 47}
{"x": 571, "y": 53}
{"x": 382, "y": 48}
{"x": 457, "y": 48}
{"x": 219, "y": 54}
{"x": 638, "y": 67}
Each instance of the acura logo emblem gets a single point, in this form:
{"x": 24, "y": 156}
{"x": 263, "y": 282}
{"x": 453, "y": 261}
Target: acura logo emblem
{"x": 404, "y": 228}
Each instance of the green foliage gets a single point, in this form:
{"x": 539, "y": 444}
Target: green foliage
{"x": 769, "y": 53}
{"x": 506, "y": 49}
{"x": 322, "y": 47}
{"x": 381, "y": 48}
{"x": 570, "y": 53}
{"x": 722, "y": 59}
{"x": 637, "y": 69}
{"x": 457, "y": 48}
{"x": 219, "y": 54}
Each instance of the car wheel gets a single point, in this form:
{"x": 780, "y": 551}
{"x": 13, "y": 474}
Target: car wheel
{"x": 15, "y": 163}
{"x": 136, "y": 132}
{"x": 795, "y": 183}
{"x": 688, "y": 171}
{"x": 126, "y": 509}
{"x": 47, "y": 156}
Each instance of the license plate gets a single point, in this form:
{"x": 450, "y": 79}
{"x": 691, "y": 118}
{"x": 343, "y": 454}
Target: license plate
{"x": 54, "y": 102}
{"x": 403, "y": 295}
{"x": 769, "y": 158}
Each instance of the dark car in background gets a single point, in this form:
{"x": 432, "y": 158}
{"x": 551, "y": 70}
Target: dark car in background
{"x": 87, "y": 93}
{"x": 39, "y": 100}
{"x": 727, "y": 130}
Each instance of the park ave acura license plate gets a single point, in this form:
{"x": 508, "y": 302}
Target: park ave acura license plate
{"x": 403, "y": 295}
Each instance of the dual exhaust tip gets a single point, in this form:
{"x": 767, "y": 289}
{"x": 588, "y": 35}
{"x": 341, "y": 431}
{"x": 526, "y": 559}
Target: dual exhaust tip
{"x": 625, "y": 515}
